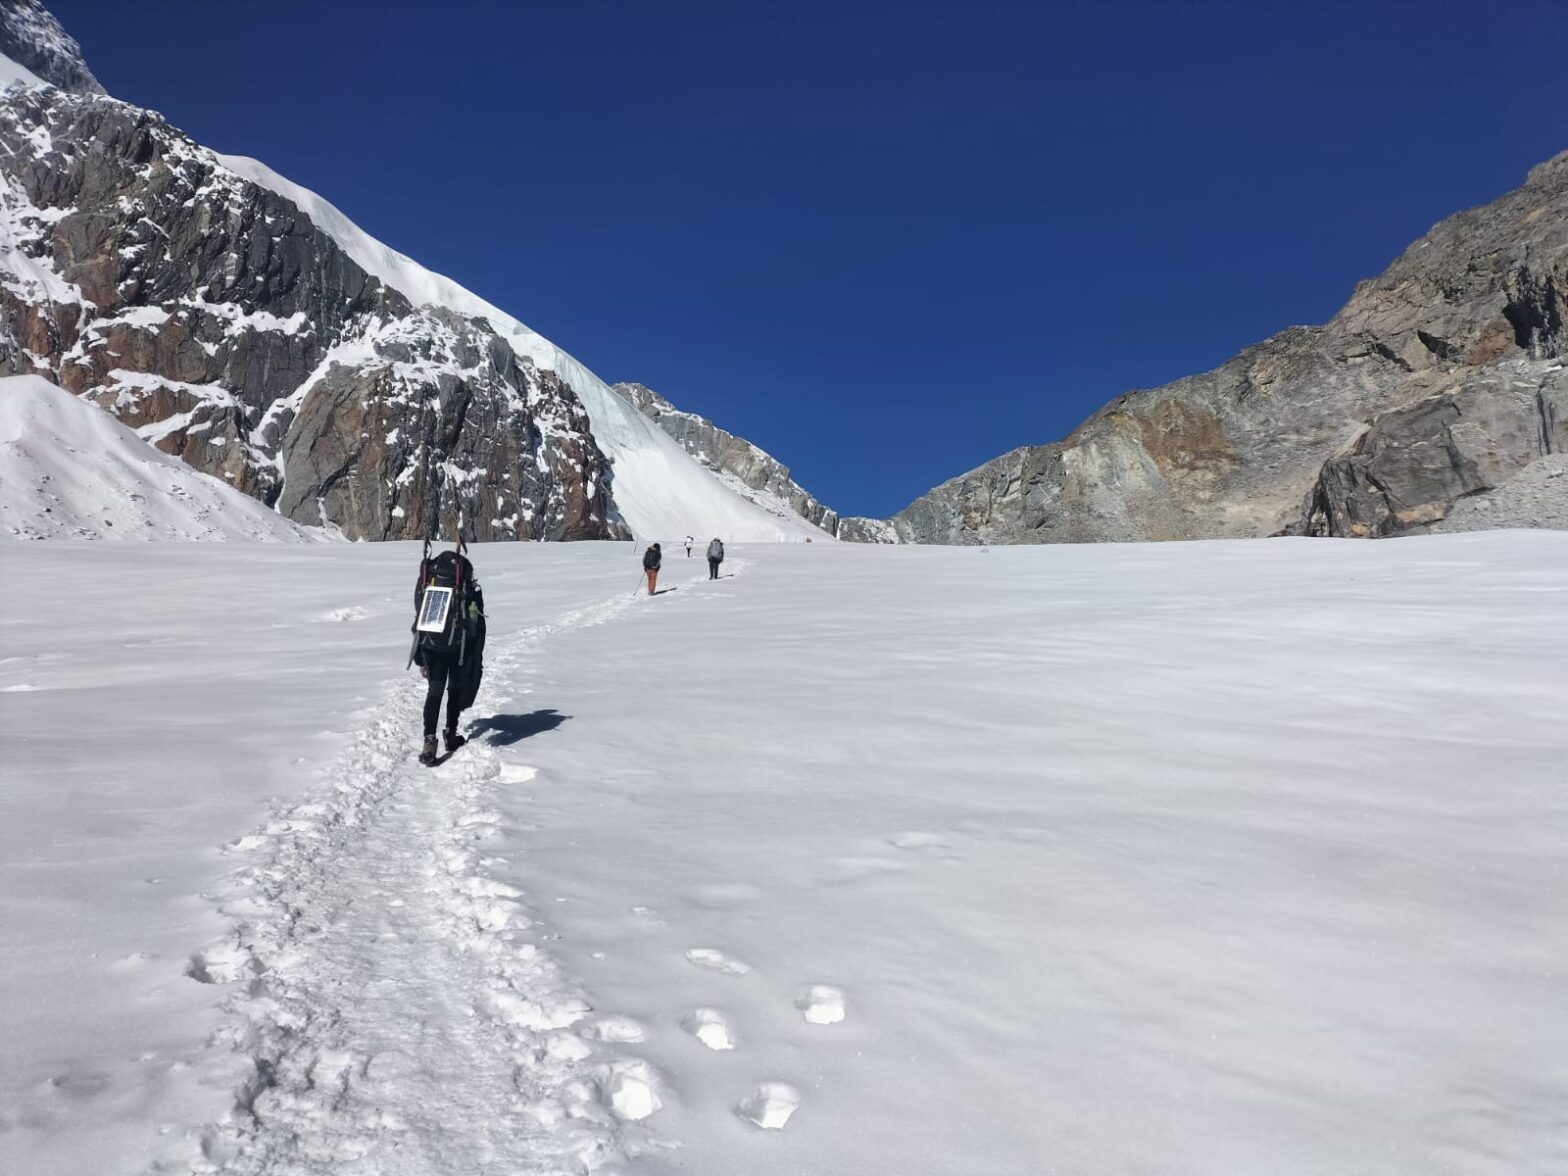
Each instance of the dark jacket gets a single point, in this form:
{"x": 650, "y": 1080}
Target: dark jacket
{"x": 651, "y": 559}
{"x": 716, "y": 550}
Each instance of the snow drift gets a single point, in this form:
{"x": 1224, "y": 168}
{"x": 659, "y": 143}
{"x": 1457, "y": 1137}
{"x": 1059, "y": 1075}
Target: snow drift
{"x": 70, "y": 470}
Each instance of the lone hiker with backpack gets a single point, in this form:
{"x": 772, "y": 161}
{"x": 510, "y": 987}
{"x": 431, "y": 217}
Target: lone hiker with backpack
{"x": 449, "y": 641}
{"x": 651, "y": 559}
{"x": 715, "y": 558}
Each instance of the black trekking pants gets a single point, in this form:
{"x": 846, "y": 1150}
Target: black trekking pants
{"x": 713, "y": 568}
{"x": 442, "y": 671}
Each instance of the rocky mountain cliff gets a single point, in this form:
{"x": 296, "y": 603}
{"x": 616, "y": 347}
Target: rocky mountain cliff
{"x": 213, "y": 317}
{"x": 245, "y": 325}
{"x": 34, "y": 39}
{"x": 1440, "y": 381}
{"x": 755, "y": 475}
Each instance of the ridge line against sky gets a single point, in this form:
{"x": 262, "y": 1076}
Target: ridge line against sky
{"x": 885, "y": 242}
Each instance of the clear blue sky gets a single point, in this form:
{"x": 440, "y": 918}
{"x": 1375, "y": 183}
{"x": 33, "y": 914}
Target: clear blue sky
{"x": 884, "y": 241}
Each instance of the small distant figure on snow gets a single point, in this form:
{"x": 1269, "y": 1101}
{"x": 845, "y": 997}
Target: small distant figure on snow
{"x": 449, "y": 642}
{"x": 651, "y": 559}
{"x": 690, "y": 539}
{"x": 715, "y": 558}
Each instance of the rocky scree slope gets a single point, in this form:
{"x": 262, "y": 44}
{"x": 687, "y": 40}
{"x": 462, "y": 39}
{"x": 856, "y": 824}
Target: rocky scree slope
{"x": 210, "y": 315}
{"x": 752, "y": 473}
{"x": 1439, "y": 381}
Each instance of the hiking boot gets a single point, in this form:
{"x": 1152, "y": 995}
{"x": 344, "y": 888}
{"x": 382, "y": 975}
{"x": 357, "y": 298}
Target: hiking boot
{"x": 428, "y": 755}
{"x": 453, "y": 741}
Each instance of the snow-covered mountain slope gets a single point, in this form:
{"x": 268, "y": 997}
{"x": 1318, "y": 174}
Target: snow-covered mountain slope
{"x": 13, "y": 72}
{"x": 1186, "y": 859}
{"x": 659, "y": 489}
{"x": 212, "y": 315}
{"x": 70, "y": 470}
{"x": 277, "y": 346}
{"x": 747, "y": 469}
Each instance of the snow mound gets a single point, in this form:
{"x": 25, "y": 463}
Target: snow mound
{"x": 659, "y": 489}
{"x": 69, "y": 470}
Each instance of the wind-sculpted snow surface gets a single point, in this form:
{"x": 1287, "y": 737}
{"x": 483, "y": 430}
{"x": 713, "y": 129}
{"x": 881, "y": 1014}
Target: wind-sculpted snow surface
{"x": 1180, "y": 858}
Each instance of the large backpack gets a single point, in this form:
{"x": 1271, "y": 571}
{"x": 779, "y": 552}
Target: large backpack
{"x": 464, "y": 628}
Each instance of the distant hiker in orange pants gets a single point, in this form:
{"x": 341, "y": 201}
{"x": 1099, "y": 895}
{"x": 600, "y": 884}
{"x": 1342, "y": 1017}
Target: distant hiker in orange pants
{"x": 651, "y": 559}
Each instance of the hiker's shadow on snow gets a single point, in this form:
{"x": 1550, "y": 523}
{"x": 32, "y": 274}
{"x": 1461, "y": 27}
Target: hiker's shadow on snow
{"x": 504, "y": 730}
{"x": 662, "y": 591}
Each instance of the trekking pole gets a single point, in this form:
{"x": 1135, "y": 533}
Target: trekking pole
{"x": 413, "y": 647}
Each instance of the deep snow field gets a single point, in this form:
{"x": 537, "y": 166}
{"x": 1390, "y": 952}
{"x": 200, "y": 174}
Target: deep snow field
{"x": 1209, "y": 859}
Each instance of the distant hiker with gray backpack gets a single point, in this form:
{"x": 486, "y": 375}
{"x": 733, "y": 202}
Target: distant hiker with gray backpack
{"x": 715, "y": 558}
{"x": 449, "y": 641}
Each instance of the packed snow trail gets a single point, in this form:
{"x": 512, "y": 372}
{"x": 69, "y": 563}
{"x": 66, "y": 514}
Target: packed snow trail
{"x": 400, "y": 1015}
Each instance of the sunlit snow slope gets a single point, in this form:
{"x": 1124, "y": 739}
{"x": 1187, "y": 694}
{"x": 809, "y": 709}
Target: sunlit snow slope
{"x": 659, "y": 489}
{"x": 70, "y": 470}
{"x": 12, "y": 71}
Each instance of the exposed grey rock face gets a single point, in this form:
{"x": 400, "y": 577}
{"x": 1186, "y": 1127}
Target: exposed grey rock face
{"x": 211, "y": 315}
{"x": 1434, "y": 382}
{"x": 32, "y": 37}
{"x": 1414, "y": 464}
{"x": 856, "y": 529}
{"x": 754, "y": 474}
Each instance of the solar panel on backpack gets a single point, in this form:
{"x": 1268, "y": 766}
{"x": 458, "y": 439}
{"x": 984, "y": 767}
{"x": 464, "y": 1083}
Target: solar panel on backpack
{"x": 433, "y": 610}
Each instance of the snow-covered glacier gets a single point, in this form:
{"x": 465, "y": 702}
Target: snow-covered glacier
{"x": 1184, "y": 858}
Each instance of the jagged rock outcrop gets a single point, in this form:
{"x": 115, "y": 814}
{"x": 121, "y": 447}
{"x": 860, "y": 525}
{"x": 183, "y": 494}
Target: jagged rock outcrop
{"x": 34, "y": 39}
{"x": 1414, "y": 464}
{"x": 858, "y": 529}
{"x": 1435, "y": 382}
{"x": 756, "y": 475}
{"x": 211, "y": 315}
